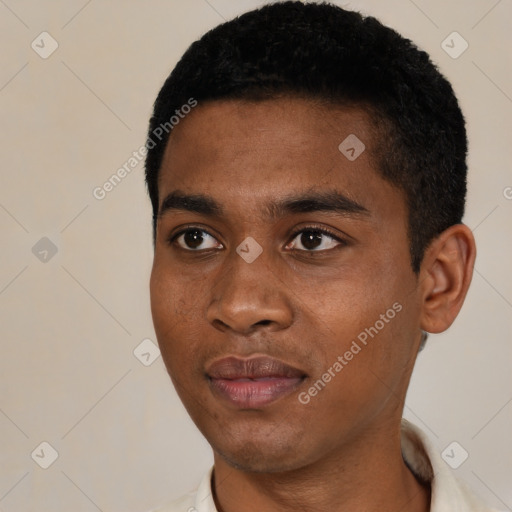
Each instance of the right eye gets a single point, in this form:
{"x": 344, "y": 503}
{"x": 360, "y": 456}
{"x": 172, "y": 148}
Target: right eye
{"x": 192, "y": 238}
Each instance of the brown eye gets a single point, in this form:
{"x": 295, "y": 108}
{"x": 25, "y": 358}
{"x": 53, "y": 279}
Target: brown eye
{"x": 195, "y": 239}
{"x": 314, "y": 240}
{"x": 311, "y": 239}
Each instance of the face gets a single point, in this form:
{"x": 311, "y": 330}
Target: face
{"x": 282, "y": 293}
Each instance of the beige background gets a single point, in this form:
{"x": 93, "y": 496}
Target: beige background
{"x": 70, "y": 324}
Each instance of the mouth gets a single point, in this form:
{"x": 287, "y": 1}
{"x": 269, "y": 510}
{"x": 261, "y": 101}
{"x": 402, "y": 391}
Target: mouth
{"x": 253, "y": 383}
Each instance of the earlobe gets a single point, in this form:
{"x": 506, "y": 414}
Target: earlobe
{"x": 445, "y": 276}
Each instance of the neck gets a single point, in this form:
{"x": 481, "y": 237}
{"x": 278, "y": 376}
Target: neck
{"x": 366, "y": 474}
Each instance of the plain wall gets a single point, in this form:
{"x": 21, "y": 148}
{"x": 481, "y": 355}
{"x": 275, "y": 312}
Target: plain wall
{"x": 70, "y": 324}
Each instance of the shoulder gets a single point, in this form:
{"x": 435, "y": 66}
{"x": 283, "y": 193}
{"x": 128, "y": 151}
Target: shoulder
{"x": 449, "y": 494}
{"x": 198, "y": 500}
{"x": 183, "y": 504}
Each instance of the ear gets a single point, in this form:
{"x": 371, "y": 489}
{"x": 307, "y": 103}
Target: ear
{"x": 445, "y": 276}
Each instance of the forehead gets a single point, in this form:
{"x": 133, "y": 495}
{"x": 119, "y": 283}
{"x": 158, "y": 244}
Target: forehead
{"x": 244, "y": 151}
{"x": 292, "y": 121}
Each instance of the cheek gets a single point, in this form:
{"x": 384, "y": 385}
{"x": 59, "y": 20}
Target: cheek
{"x": 369, "y": 321}
{"x": 175, "y": 314}
{"x": 369, "y": 377}
{"x": 173, "y": 298}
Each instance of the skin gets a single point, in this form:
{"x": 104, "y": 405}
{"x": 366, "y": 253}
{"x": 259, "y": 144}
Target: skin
{"x": 302, "y": 305}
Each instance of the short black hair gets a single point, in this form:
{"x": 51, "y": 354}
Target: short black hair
{"x": 323, "y": 52}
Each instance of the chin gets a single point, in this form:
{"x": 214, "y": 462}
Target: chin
{"x": 261, "y": 455}
{"x": 258, "y": 463}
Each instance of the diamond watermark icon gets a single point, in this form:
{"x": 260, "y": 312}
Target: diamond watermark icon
{"x": 352, "y": 147}
{"x": 45, "y": 455}
{"x": 44, "y": 250}
{"x": 249, "y": 249}
{"x": 454, "y": 455}
{"x": 454, "y": 45}
{"x": 146, "y": 352}
{"x": 44, "y": 45}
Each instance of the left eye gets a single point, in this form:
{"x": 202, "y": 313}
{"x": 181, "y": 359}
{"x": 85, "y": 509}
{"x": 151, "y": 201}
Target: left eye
{"x": 314, "y": 240}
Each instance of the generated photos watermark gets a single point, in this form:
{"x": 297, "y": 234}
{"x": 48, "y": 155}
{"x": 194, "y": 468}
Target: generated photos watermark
{"x": 100, "y": 192}
{"x": 356, "y": 347}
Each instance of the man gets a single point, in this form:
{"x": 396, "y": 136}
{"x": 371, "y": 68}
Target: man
{"x": 306, "y": 167}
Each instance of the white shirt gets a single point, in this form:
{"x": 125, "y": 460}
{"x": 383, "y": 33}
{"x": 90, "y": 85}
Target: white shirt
{"x": 447, "y": 493}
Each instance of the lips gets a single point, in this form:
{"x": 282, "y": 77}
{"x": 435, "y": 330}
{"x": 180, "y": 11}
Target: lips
{"x": 252, "y": 383}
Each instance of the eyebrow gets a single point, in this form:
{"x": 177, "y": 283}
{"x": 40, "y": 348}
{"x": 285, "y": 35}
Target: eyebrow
{"x": 328, "y": 201}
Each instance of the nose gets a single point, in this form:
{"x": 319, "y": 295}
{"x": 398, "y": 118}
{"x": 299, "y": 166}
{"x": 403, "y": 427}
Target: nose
{"x": 249, "y": 296}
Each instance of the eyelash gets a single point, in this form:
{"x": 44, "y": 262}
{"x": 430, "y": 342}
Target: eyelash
{"x": 318, "y": 229}
{"x": 321, "y": 230}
